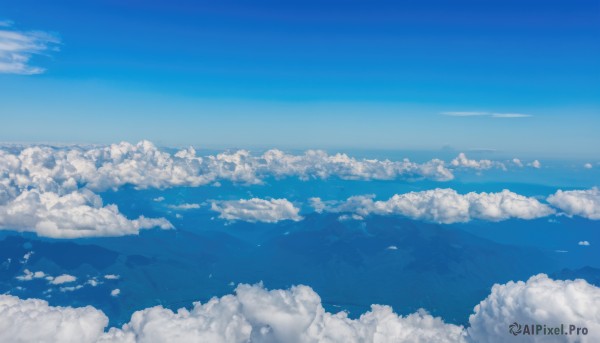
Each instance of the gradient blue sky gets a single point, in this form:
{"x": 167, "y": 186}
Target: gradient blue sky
{"x": 331, "y": 74}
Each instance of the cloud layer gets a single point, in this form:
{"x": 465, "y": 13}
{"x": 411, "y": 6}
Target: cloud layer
{"x": 18, "y": 47}
{"x": 296, "y": 315}
{"x": 257, "y": 210}
{"x": 540, "y": 300}
{"x": 50, "y": 191}
{"x": 443, "y": 206}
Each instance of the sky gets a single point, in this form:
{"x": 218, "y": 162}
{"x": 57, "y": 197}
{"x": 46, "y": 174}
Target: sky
{"x": 514, "y": 76}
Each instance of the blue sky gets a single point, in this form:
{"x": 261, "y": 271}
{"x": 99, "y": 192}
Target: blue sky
{"x": 331, "y": 74}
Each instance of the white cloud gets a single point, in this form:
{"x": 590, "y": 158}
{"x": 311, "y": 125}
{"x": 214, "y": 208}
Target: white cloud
{"x": 445, "y": 206}
{"x": 76, "y": 214}
{"x": 540, "y": 300}
{"x": 64, "y": 278}
{"x": 588, "y": 166}
{"x": 93, "y": 282}
{"x": 145, "y": 166}
{"x": 583, "y": 203}
{"x": 159, "y": 199}
{"x": 511, "y": 115}
{"x": 49, "y": 191}
{"x": 115, "y": 292}
{"x": 28, "y": 275}
{"x": 27, "y": 256}
{"x": 70, "y": 288}
{"x": 112, "y": 277}
{"x": 185, "y": 207}
{"x": 584, "y": 243}
{"x": 33, "y": 320}
{"x": 535, "y": 164}
{"x": 461, "y": 161}
{"x": 257, "y": 210}
{"x": 17, "y": 48}
{"x": 487, "y": 114}
{"x": 465, "y": 114}
{"x": 517, "y": 162}
{"x": 297, "y": 315}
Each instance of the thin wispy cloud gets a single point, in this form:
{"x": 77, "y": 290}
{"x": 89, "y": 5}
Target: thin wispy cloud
{"x": 465, "y": 114}
{"x": 18, "y": 47}
{"x": 511, "y": 115}
{"x": 485, "y": 114}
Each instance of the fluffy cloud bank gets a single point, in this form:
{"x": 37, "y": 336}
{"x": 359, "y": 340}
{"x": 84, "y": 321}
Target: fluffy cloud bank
{"x": 257, "y": 210}
{"x": 73, "y": 215}
{"x": 443, "y": 206}
{"x": 32, "y": 320}
{"x": 49, "y": 190}
{"x": 584, "y": 203}
{"x": 296, "y": 315}
{"x": 540, "y": 300}
{"x": 17, "y": 48}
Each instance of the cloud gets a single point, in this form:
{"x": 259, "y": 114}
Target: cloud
{"x": 112, "y": 277}
{"x": 185, "y": 207}
{"x": 18, "y": 47}
{"x": 28, "y": 275}
{"x": 64, "y": 278}
{"x": 588, "y": 166}
{"x": 444, "y": 206}
{"x": 76, "y": 214}
{"x": 257, "y": 210}
{"x": 144, "y": 166}
{"x": 583, "y": 203}
{"x": 461, "y": 161}
{"x": 517, "y": 162}
{"x": 540, "y": 300}
{"x": 510, "y": 115}
{"x": 115, "y": 292}
{"x": 33, "y": 320}
{"x": 486, "y": 114}
{"x": 296, "y": 315}
{"x": 535, "y": 164}
{"x": 584, "y": 243}
{"x": 50, "y": 191}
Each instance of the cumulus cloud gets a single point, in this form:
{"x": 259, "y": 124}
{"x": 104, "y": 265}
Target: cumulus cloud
{"x": 76, "y": 214}
{"x": 115, "y": 292}
{"x": 584, "y": 243}
{"x": 18, "y": 47}
{"x": 64, "y": 278}
{"x": 296, "y": 315}
{"x": 588, "y": 166}
{"x": 444, "y": 206}
{"x": 29, "y": 275}
{"x": 33, "y": 320}
{"x": 517, "y": 162}
{"x": 583, "y": 203}
{"x": 143, "y": 165}
{"x": 461, "y": 161}
{"x": 49, "y": 190}
{"x": 540, "y": 300}
{"x": 257, "y": 210}
{"x": 535, "y": 164}
{"x": 112, "y": 277}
